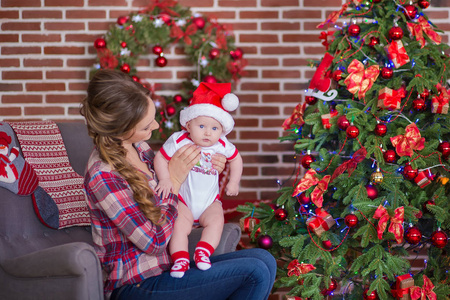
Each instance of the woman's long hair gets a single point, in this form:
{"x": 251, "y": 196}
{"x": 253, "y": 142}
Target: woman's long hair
{"x": 115, "y": 103}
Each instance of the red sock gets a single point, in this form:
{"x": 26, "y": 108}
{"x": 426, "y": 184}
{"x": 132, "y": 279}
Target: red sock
{"x": 181, "y": 264}
{"x": 203, "y": 251}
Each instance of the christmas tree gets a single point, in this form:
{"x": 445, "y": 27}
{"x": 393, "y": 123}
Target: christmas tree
{"x": 373, "y": 140}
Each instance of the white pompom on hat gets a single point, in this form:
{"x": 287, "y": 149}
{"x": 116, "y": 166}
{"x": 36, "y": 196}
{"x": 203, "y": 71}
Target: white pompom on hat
{"x": 213, "y": 100}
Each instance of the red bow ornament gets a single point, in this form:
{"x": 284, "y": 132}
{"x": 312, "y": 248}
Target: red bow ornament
{"x": 439, "y": 103}
{"x": 390, "y": 99}
{"x": 296, "y": 269}
{"x": 410, "y": 141}
{"x": 360, "y": 80}
{"x": 296, "y": 118}
{"x": 403, "y": 285}
{"x": 351, "y": 164}
{"x": 177, "y": 33}
{"x": 163, "y": 5}
{"x": 310, "y": 180}
{"x": 397, "y": 53}
{"x": 107, "y": 59}
{"x": 332, "y": 18}
{"x": 418, "y": 29}
{"x": 396, "y": 226}
{"x": 327, "y": 37}
{"x": 424, "y": 292}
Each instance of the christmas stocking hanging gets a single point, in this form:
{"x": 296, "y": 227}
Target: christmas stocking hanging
{"x": 16, "y": 174}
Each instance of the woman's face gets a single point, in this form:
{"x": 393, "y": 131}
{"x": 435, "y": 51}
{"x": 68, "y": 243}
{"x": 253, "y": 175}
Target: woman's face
{"x": 143, "y": 129}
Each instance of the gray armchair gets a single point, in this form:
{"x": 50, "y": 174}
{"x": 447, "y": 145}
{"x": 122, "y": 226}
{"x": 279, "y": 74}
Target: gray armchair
{"x": 37, "y": 262}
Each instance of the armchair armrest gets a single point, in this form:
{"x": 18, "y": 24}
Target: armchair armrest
{"x": 230, "y": 238}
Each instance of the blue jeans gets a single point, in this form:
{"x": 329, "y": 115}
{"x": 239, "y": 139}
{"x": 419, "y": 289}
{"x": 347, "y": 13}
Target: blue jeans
{"x": 241, "y": 275}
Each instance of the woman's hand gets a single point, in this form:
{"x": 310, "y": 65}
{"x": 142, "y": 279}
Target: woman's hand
{"x": 181, "y": 163}
{"x": 218, "y": 162}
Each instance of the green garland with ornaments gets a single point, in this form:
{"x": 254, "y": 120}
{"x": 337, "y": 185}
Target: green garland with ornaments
{"x": 208, "y": 45}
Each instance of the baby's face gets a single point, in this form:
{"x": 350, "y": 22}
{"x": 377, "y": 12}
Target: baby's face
{"x": 204, "y": 131}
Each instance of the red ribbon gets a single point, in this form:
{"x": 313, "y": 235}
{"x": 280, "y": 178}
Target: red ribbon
{"x": 332, "y": 18}
{"x": 391, "y": 99}
{"x": 296, "y": 117}
{"x": 397, "y": 53}
{"x": 410, "y": 141}
{"x": 418, "y": 29}
{"x": 308, "y": 181}
{"x": 296, "y": 269}
{"x": 107, "y": 59}
{"x": 359, "y": 81}
{"x": 398, "y": 292}
{"x": 396, "y": 226}
{"x": 177, "y": 33}
{"x": 163, "y": 5}
{"x": 424, "y": 292}
{"x": 350, "y": 165}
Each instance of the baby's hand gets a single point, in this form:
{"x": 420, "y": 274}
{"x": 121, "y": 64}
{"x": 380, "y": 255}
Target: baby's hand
{"x": 232, "y": 189}
{"x": 164, "y": 188}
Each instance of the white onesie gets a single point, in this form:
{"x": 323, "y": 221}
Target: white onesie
{"x": 201, "y": 187}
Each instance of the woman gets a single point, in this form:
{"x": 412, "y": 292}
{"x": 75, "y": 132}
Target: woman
{"x": 131, "y": 225}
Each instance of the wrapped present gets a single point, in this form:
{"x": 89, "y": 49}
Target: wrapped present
{"x": 422, "y": 179}
{"x": 403, "y": 284}
{"x": 397, "y": 53}
{"x": 390, "y": 99}
{"x": 321, "y": 222}
{"x": 248, "y": 224}
{"x": 327, "y": 117}
{"x": 439, "y": 104}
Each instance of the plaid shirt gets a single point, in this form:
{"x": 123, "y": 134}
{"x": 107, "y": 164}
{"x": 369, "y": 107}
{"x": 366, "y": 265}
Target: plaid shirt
{"x": 130, "y": 247}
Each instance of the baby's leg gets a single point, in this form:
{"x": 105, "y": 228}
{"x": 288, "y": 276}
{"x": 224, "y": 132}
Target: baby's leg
{"x": 178, "y": 245}
{"x": 212, "y": 220}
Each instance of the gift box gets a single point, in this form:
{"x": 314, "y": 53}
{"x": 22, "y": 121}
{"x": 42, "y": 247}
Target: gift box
{"x": 403, "y": 283}
{"x": 248, "y": 224}
{"x": 390, "y": 99}
{"x": 422, "y": 179}
{"x": 397, "y": 53}
{"x": 327, "y": 117}
{"x": 321, "y": 222}
{"x": 439, "y": 105}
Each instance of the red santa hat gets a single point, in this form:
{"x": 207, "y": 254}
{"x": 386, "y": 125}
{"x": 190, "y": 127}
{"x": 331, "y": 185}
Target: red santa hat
{"x": 5, "y": 139}
{"x": 213, "y": 100}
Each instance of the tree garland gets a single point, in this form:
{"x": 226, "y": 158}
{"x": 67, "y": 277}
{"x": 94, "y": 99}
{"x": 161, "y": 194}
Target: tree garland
{"x": 207, "y": 44}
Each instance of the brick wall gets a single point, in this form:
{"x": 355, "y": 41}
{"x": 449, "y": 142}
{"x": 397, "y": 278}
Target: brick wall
{"x": 46, "y": 54}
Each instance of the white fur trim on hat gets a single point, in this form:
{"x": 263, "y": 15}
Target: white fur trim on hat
{"x": 207, "y": 110}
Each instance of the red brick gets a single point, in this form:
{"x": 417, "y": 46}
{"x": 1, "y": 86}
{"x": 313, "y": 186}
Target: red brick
{"x": 21, "y": 3}
{"x": 75, "y": 111}
{"x": 260, "y": 86}
{"x": 279, "y": 147}
{"x": 280, "y": 74}
{"x": 317, "y": 51}
{"x": 64, "y": 50}
{"x": 20, "y": 50}
{"x": 31, "y": 62}
{"x": 322, "y": 3}
{"x": 295, "y": 86}
{"x": 64, "y": 2}
{"x": 196, "y": 3}
{"x": 289, "y": 38}
{"x": 47, "y": 110}
{"x": 77, "y": 37}
{"x": 281, "y": 98}
{"x": 246, "y": 122}
{"x": 258, "y": 38}
{"x": 38, "y": 38}
{"x": 107, "y": 3}
{"x": 25, "y": 98}
{"x": 19, "y": 26}
{"x": 302, "y": 14}
{"x": 237, "y": 3}
{"x": 290, "y": 62}
{"x": 258, "y": 14}
{"x": 42, "y": 14}
{"x": 280, "y": 50}
{"x": 86, "y": 14}
{"x": 258, "y": 183}
{"x": 11, "y": 111}
{"x": 45, "y": 86}
{"x": 278, "y": 3}
{"x": 276, "y": 171}
{"x": 222, "y": 15}
{"x": 9, "y": 14}
{"x": 9, "y": 62}
{"x": 244, "y": 26}
{"x": 259, "y": 110}
{"x": 63, "y": 26}
{"x": 21, "y": 75}
{"x": 78, "y": 86}
{"x": 442, "y": 14}
{"x": 81, "y": 62}
{"x": 99, "y": 26}
{"x": 10, "y": 87}
{"x": 9, "y": 38}
{"x": 64, "y": 98}
{"x": 65, "y": 74}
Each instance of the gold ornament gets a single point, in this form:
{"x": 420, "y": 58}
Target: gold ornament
{"x": 376, "y": 177}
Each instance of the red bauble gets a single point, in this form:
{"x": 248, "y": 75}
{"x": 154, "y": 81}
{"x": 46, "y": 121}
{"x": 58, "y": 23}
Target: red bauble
{"x": 209, "y": 79}
{"x": 410, "y": 11}
{"x": 327, "y": 244}
{"x": 354, "y": 30}
{"x": 409, "y": 173}
{"x": 387, "y": 73}
{"x": 310, "y": 100}
{"x": 372, "y": 191}
{"x": 237, "y": 53}
{"x": 423, "y": 4}
{"x": 337, "y": 75}
{"x": 302, "y": 199}
{"x": 199, "y": 22}
{"x": 122, "y": 20}
{"x": 352, "y": 131}
{"x": 371, "y": 296}
{"x": 439, "y": 239}
{"x": 380, "y": 129}
{"x": 166, "y": 18}
{"x": 157, "y": 49}
{"x": 171, "y": 110}
{"x": 413, "y": 235}
{"x": 307, "y": 160}
{"x": 331, "y": 288}
{"x": 125, "y": 68}
{"x": 123, "y": 44}
{"x": 444, "y": 148}
{"x": 390, "y": 156}
{"x": 376, "y": 1}
{"x": 343, "y": 123}
{"x": 425, "y": 94}
{"x": 135, "y": 78}
{"x": 265, "y": 242}
{"x": 424, "y": 206}
{"x": 419, "y": 104}
{"x": 161, "y": 61}
{"x": 281, "y": 214}
{"x": 351, "y": 220}
{"x": 99, "y": 43}
{"x": 395, "y": 33}
{"x": 214, "y": 53}
{"x": 177, "y": 98}
{"x": 374, "y": 41}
